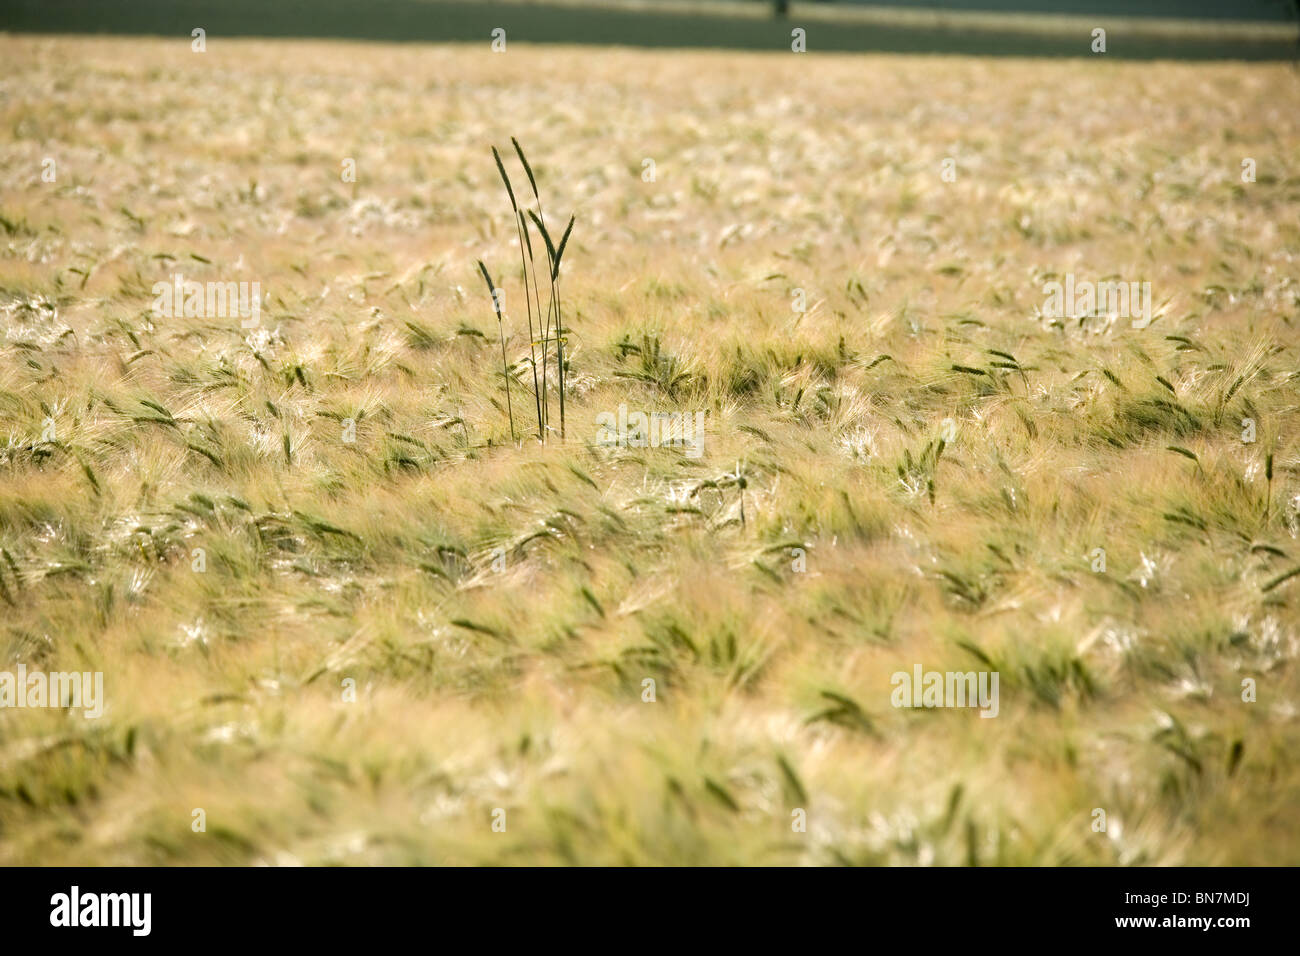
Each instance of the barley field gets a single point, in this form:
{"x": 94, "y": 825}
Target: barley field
{"x": 344, "y": 616}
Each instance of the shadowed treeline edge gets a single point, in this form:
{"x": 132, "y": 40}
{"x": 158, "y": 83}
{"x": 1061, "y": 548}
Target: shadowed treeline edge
{"x": 448, "y": 21}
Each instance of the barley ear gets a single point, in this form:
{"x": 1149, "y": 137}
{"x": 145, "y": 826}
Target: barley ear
{"x": 505, "y": 179}
{"x": 491, "y": 287}
{"x": 528, "y": 169}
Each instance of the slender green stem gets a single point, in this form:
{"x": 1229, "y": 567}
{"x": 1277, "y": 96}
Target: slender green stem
{"x": 505, "y": 370}
{"x": 545, "y": 397}
{"x": 532, "y": 352}
{"x": 505, "y": 366}
{"x": 559, "y": 351}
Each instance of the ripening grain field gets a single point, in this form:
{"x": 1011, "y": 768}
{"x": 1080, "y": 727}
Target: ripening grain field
{"x": 372, "y": 650}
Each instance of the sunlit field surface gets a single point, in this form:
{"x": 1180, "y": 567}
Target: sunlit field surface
{"x": 356, "y": 651}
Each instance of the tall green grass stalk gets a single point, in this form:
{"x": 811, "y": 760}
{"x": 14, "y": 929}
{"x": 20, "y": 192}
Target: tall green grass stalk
{"x": 532, "y": 351}
{"x": 505, "y": 366}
